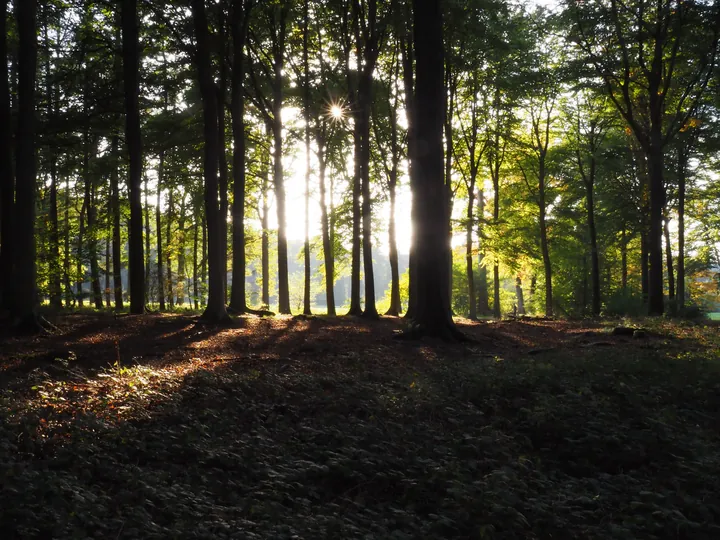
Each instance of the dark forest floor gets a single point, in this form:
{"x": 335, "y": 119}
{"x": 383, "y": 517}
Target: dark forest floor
{"x": 154, "y": 427}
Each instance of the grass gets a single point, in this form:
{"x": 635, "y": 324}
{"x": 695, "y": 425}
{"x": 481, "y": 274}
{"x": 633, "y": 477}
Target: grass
{"x": 385, "y": 440}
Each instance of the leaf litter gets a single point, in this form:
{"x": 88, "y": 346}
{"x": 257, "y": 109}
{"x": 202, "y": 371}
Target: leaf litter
{"x": 329, "y": 428}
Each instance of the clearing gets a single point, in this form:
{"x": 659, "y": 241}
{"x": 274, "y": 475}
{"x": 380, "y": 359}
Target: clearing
{"x": 155, "y": 427}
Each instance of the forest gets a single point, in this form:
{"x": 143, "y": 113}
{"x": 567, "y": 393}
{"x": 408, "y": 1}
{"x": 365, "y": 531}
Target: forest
{"x": 391, "y": 269}
{"x": 579, "y": 157}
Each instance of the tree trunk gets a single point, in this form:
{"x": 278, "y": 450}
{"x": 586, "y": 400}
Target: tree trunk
{"x": 483, "y": 301}
{"x": 644, "y": 266}
{"x": 158, "y": 231}
{"x": 196, "y": 292}
{"x": 265, "y": 240}
{"x": 107, "y": 273}
{"x": 544, "y": 244}
{"x": 364, "y": 100}
{"x": 222, "y": 148}
{"x": 93, "y": 229}
{"x": 682, "y": 180}
{"x": 7, "y": 181}
{"x": 168, "y": 250}
{"x": 133, "y": 138}
{"x": 240, "y": 18}
{"x": 69, "y": 297}
{"x": 623, "y": 261}
{"x": 204, "y": 264}
{"x": 469, "y": 266}
{"x": 146, "y": 216}
{"x": 669, "y": 261}
{"x": 215, "y": 310}
{"x": 25, "y": 268}
{"x": 592, "y": 229}
{"x": 432, "y": 313}
{"x": 115, "y": 211}
{"x": 328, "y": 251}
{"x": 180, "y": 288}
{"x": 355, "y": 305}
{"x": 656, "y": 302}
{"x": 54, "y": 256}
{"x": 519, "y": 297}
{"x": 395, "y": 301}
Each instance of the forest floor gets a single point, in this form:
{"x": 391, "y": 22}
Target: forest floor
{"x": 156, "y": 427}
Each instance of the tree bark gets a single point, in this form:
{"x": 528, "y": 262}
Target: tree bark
{"x": 669, "y": 261}
{"x": 7, "y": 180}
{"x": 682, "y": 180}
{"x": 158, "y": 231}
{"x": 115, "y": 211}
{"x": 133, "y": 139}
{"x": 328, "y": 250}
{"x": 25, "y": 268}
{"x": 432, "y": 313}
{"x": 308, "y": 171}
{"x": 168, "y": 247}
{"x": 240, "y": 19}
{"x": 519, "y": 297}
{"x": 215, "y": 310}
{"x": 470, "y": 267}
{"x": 482, "y": 288}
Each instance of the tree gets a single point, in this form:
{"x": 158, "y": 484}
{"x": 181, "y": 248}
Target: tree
{"x": 7, "y": 179}
{"x": 24, "y": 280}
{"x": 133, "y": 139}
{"x": 215, "y": 311}
{"x": 240, "y": 20}
{"x": 655, "y": 60}
{"x": 431, "y": 221}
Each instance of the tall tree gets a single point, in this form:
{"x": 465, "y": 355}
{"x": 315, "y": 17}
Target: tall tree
{"x": 7, "y": 180}
{"x": 240, "y": 19}
{"x": 655, "y": 59}
{"x": 25, "y": 299}
{"x": 133, "y": 139}
{"x": 431, "y": 221}
{"x": 215, "y": 310}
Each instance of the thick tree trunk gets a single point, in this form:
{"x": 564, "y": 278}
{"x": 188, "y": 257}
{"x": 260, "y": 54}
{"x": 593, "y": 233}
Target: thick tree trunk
{"x": 240, "y": 18}
{"x": 432, "y": 313}
{"x": 7, "y": 180}
{"x": 215, "y": 310}
{"x": 644, "y": 267}
{"x": 222, "y": 147}
{"x": 133, "y": 138}
{"x": 25, "y": 299}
